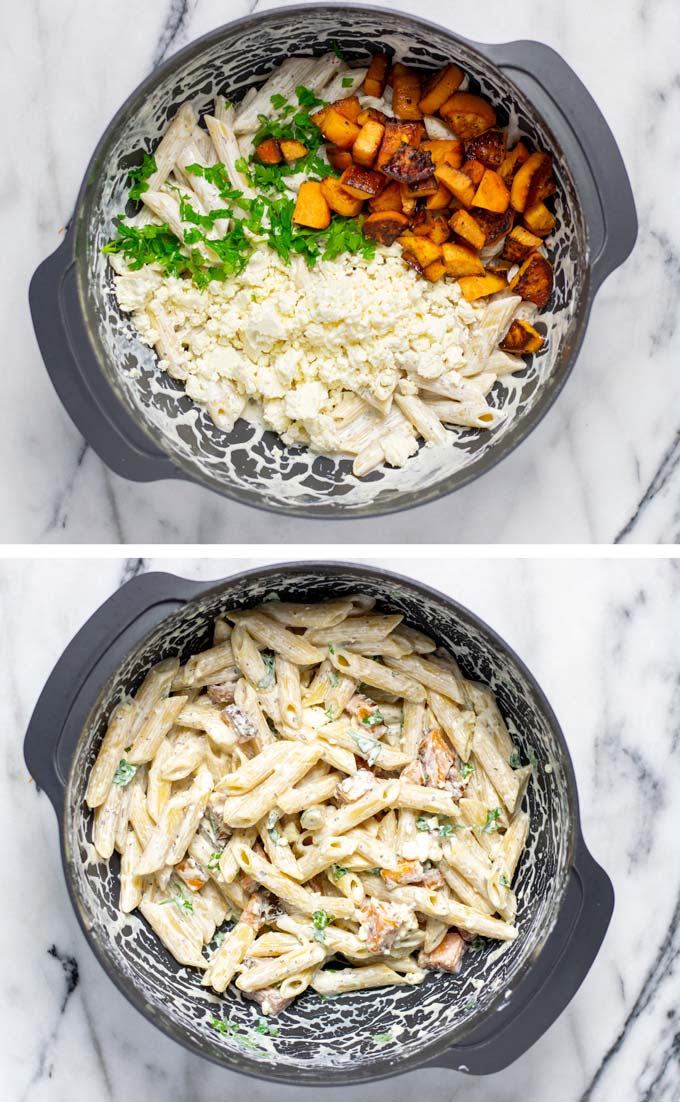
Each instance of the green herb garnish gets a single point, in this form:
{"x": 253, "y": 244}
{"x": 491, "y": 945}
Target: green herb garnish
{"x": 466, "y": 770}
{"x": 339, "y": 872}
{"x": 477, "y": 945}
{"x": 273, "y": 833}
{"x": 124, "y": 773}
{"x": 347, "y": 82}
{"x": 140, "y": 175}
{"x": 372, "y": 720}
{"x": 514, "y": 760}
{"x": 505, "y": 883}
{"x": 369, "y": 748}
{"x": 320, "y": 920}
{"x": 491, "y": 823}
{"x": 382, "y": 1038}
{"x": 214, "y": 861}
{"x": 269, "y": 678}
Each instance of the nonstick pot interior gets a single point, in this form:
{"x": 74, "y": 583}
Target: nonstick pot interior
{"x": 371, "y": 1033}
{"x": 250, "y": 464}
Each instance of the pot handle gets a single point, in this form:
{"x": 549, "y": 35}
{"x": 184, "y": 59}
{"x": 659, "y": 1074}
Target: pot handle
{"x": 551, "y": 982}
{"x": 69, "y": 357}
{"x": 97, "y": 649}
{"x": 588, "y": 144}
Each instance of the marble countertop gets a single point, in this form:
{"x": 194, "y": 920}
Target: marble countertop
{"x": 604, "y": 465}
{"x": 601, "y": 637}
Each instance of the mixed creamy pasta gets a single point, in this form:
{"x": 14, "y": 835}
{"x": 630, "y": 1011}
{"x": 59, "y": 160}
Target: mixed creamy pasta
{"x": 318, "y": 800}
{"x": 338, "y": 344}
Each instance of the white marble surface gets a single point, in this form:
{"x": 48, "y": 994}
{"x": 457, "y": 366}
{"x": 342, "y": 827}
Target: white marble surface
{"x": 605, "y": 463}
{"x": 601, "y": 637}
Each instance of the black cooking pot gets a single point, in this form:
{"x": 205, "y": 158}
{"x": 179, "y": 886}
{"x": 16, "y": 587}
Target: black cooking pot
{"x": 478, "y": 1021}
{"x": 140, "y": 421}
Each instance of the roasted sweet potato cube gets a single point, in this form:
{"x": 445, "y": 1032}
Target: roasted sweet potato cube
{"x": 488, "y": 147}
{"x": 474, "y": 287}
{"x": 460, "y": 185}
{"x": 435, "y": 270}
{"x": 348, "y": 106}
{"x": 371, "y": 114}
{"x": 365, "y": 148}
{"x": 385, "y": 226}
{"x": 474, "y": 170}
{"x": 439, "y": 87}
{"x": 522, "y": 339}
{"x": 519, "y": 244}
{"x": 528, "y": 179}
{"x": 409, "y": 164}
{"x": 396, "y": 133}
{"x": 492, "y": 194}
{"x": 362, "y": 182}
{"x": 311, "y": 208}
{"x": 461, "y": 260}
{"x": 292, "y": 150}
{"x": 339, "y": 199}
{"x": 376, "y": 76}
{"x": 389, "y": 199}
{"x": 495, "y": 226}
{"x": 512, "y": 161}
{"x": 318, "y": 116}
{"x": 467, "y": 114}
{"x": 445, "y": 151}
{"x": 465, "y": 226}
{"x": 405, "y": 92}
{"x": 539, "y": 219}
{"x": 269, "y": 152}
{"x": 534, "y": 280}
{"x": 338, "y": 129}
{"x": 446, "y": 957}
{"x": 409, "y": 202}
{"x": 441, "y": 198}
{"x": 339, "y": 159}
{"x": 428, "y": 186}
{"x": 412, "y": 261}
{"x": 432, "y": 224}
{"x": 423, "y": 248}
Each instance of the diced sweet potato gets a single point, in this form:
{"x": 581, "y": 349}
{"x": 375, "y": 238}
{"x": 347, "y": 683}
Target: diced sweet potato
{"x": 461, "y": 260}
{"x": 409, "y": 202}
{"x": 385, "y": 226}
{"x": 432, "y": 224}
{"x": 435, "y": 270}
{"x": 467, "y": 114}
{"x": 474, "y": 287}
{"x": 396, "y": 133}
{"x": 339, "y": 199}
{"x": 311, "y": 208}
{"x": 439, "y": 87}
{"x": 492, "y": 194}
{"x": 338, "y": 129}
{"x": 446, "y": 957}
{"x": 409, "y": 164}
{"x": 539, "y": 219}
{"x": 404, "y": 872}
{"x": 339, "y": 159}
{"x": 460, "y": 185}
{"x": 405, "y": 92}
{"x": 495, "y": 226}
{"x": 424, "y": 249}
{"x": 425, "y": 187}
{"x": 519, "y": 244}
{"x": 488, "y": 147}
{"x": 445, "y": 151}
{"x": 348, "y": 106}
{"x": 441, "y": 198}
{"x": 365, "y": 148}
{"x": 362, "y": 183}
{"x": 512, "y": 161}
{"x": 474, "y": 170}
{"x": 534, "y": 280}
{"x": 528, "y": 179}
{"x": 522, "y": 339}
{"x": 292, "y": 150}
{"x": 465, "y": 226}
{"x": 371, "y": 114}
{"x": 413, "y": 261}
{"x": 376, "y": 76}
{"x": 318, "y": 116}
{"x": 269, "y": 152}
{"x": 389, "y": 199}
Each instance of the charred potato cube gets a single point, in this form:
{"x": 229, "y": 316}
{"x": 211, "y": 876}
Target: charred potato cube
{"x": 441, "y": 199}
{"x": 338, "y": 129}
{"x": 409, "y": 203}
{"x": 412, "y": 261}
{"x": 461, "y": 260}
{"x": 492, "y": 194}
{"x": 292, "y": 150}
{"x": 416, "y": 188}
{"x": 339, "y": 159}
{"x": 474, "y": 287}
{"x": 311, "y": 208}
{"x": 539, "y": 219}
{"x": 488, "y": 147}
{"x": 445, "y": 151}
{"x": 474, "y": 170}
{"x": 339, "y": 199}
{"x": 424, "y": 249}
{"x": 522, "y": 339}
{"x": 534, "y": 280}
{"x": 385, "y": 226}
{"x": 362, "y": 182}
{"x": 462, "y": 223}
{"x": 495, "y": 226}
{"x": 467, "y": 115}
{"x": 377, "y": 73}
{"x": 432, "y": 224}
{"x": 397, "y": 133}
{"x": 460, "y": 185}
{"x": 435, "y": 270}
{"x": 269, "y": 152}
{"x": 349, "y": 107}
{"x": 513, "y": 160}
{"x": 405, "y": 92}
{"x": 317, "y": 117}
{"x": 365, "y": 148}
{"x": 528, "y": 180}
{"x": 409, "y": 164}
{"x": 519, "y": 244}
{"x": 389, "y": 199}
{"x": 371, "y": 114}
{"x": 439, "y": 87}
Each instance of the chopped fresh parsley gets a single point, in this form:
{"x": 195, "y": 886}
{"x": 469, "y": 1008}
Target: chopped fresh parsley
{"x": 124, "y": 773}
{"x": 514, "y": 760}
{"x": 337, "y": 51}
{"x": 347, "y": 82}
{"x": 273, "y": 833}
{"x": 505, "y": 883}
{"x": 369, "y": 748}
{"x": 219, "y": 937}
{"x": 334, "y": 679}
{"x": 331, "y": 647}
{"x": 338, "y": 872}
{"x": 269, "y": 678}
{"x": 446, "y": 830}
{"x": 382, "y": 1038}
{"x": 423, "y": 823}
{"x": 181, "y": 900}
{"x": 466, "y": 770}
{"x": 373, "y": 720}
{"x": 531, "y": 758}
{"x": 375, "y": 872}
{"x": 266, "y": 1029}
{"x": 491, "y": 823}
{"x": 278, "y": 101}
{"x": 307, "y": 98}
{"x": 328, "y": 712}
{"x": 477, "y": 945}
{"x": 320, "y": 920}
{"x": 140, "y": 175}
{"x": 214, "y": 861}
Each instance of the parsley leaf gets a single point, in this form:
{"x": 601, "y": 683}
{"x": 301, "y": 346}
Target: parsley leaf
{"x": 369, "y": 748}
{"x": 339, "y": 872}
{"x": 491, "y": 823}
{"x": 269, "y": 678}
{"x": 382, "y": 1038}
{"x": 273, "y": 833}
{"x": 347, "y": 82}
{"x": 320, "y": 920}
{"x": 140, "y": 175}
{"x": 373, "y": 720}
{"x": 124, "y": 773}
{"x": 505, "y": 883}
{"x": 467, "y": 769}
{"x": 514, "y": 760}
{"x": 214, "y": 861}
